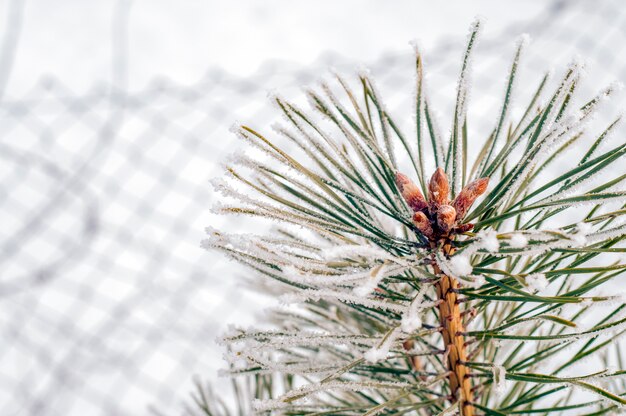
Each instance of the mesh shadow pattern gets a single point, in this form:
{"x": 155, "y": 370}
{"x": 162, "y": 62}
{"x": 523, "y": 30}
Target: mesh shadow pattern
{"x": 109, "y": 306}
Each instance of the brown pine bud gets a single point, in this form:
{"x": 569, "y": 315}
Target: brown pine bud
{"x": 460, "y": 229}
{"x": 422, "y": 223}
{"x": 438, "y": 189}
{"x": 446, "y": 217}
{"x": 410, "y": 192}
{"x": 468, "y": 195}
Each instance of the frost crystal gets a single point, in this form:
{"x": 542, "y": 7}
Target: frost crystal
{"x": 537, "y": 282}
{"x": 524, "y": 39}
{"x": 372, "y": 282}
{"x": 489, "y": 241}
{"x": 499, "y": 379}
{"x": 475, "y": 281}
{"x": 376, "y": 354}
{"x": 352, "y": 251}
{"x": 411, "y": 322}
{"x": 582, "y": 230}
{"x": 381, "y": 351}
{"x": 460, "y": 265}
{"x": 315, "y": 295}
{"x": 240, "y": 363}
{"x": 268, "y": 404}
{"x": 518, "y": 241}
{"x": 587, "y": 302}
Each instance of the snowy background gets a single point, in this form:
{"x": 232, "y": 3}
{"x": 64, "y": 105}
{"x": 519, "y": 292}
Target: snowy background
{"x": 115, "y": 114}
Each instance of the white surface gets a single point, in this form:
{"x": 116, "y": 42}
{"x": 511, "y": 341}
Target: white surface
{"x": 71, "y": 39}
{"x": 132, "y": 312}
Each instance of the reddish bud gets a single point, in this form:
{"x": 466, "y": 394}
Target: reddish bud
{"x": 446, "y": 217}
{"x": 438, "y": 188}
{"x": 410, "y": 192}
{"x": 422, "y": 223}
{"x": 468, "y": 195}
{"x": 463, "y": 228}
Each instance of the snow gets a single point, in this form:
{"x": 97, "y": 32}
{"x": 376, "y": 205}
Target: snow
{"x": 580, "y": 236}
{"x": 524, "y": 39}
{"x": 617, "y": 231}
{"x": 264, "y": 405}
{"x": 240, "y": 363}
{"x": 474, "y": 281}
{"x": 368, "y": 279}
{"x": 334, "y": 295}
{"x": 518, "y": 241}
{"x": 381, "y": 351}
{"x": 557, "y": 132}
{"x": 260, "y": 117}
{"x": 339, "y": 252}
{"x": 587, "y": 302}
{"x": 521, "y": 43}
{"x": 537, "y": 282}
{"x": 489, "y": 240}
{"x": 358, "y": 269}
{"x": 376, "y": 354}
{"x": 460, "y": 265}
{"x": 366, "y": 289}
{"x": 584, "y": 228}
{"x": 411, "y": 322}
{"x": 499, "y": 379}
{"x": 375, "y": 277}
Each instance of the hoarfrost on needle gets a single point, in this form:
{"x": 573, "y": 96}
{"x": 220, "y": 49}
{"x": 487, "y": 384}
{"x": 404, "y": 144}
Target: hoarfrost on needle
{"x": 460, "y": 265}
{"x": 381, "y": 351}
{"x": 537, "y": 281}
{"x": 518, "y": 241}
{"x": 489, "y": 241}
{"x": 499, "y": 379}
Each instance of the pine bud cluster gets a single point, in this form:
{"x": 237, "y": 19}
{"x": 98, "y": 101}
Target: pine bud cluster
{"x": 438, "y": 216}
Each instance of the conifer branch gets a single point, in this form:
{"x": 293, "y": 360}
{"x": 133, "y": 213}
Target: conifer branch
{"x": 471, "y": 292}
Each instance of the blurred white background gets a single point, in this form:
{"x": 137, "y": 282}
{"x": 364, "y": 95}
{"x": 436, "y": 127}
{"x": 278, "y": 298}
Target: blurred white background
{"x": 75, "y": 41}
{"x": 115, "y": 114}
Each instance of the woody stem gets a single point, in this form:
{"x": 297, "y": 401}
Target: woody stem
{"x": 453, "y": 339}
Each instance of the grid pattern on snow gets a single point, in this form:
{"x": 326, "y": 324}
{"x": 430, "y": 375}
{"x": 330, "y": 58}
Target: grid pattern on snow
{"x": 108, "y": 303}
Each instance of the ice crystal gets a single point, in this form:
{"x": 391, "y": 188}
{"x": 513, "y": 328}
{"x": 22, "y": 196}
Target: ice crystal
{"x": 580, "y": 236}
{"x": 262, "y": 405}
{"x": 411, "y": 320}
{"x": 460, "y": 265}
{"x": 537, "y": 282}
{"x": 518, "y": 240}
{"x": 499, "y": 379}
{"x": 354, "y": 251}
{"x": 381, "y": 351}
{"x": 489, "y": 240}
{"x": 376, "y": 275}
{"x": 316, "y": 295}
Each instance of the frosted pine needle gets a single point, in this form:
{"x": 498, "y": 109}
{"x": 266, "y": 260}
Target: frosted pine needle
{"x": 518, "y": 241}
{"x": 472, "y": 289}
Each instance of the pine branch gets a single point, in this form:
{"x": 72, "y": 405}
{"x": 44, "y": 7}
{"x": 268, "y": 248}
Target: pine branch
{"x": 470, "y": 292}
